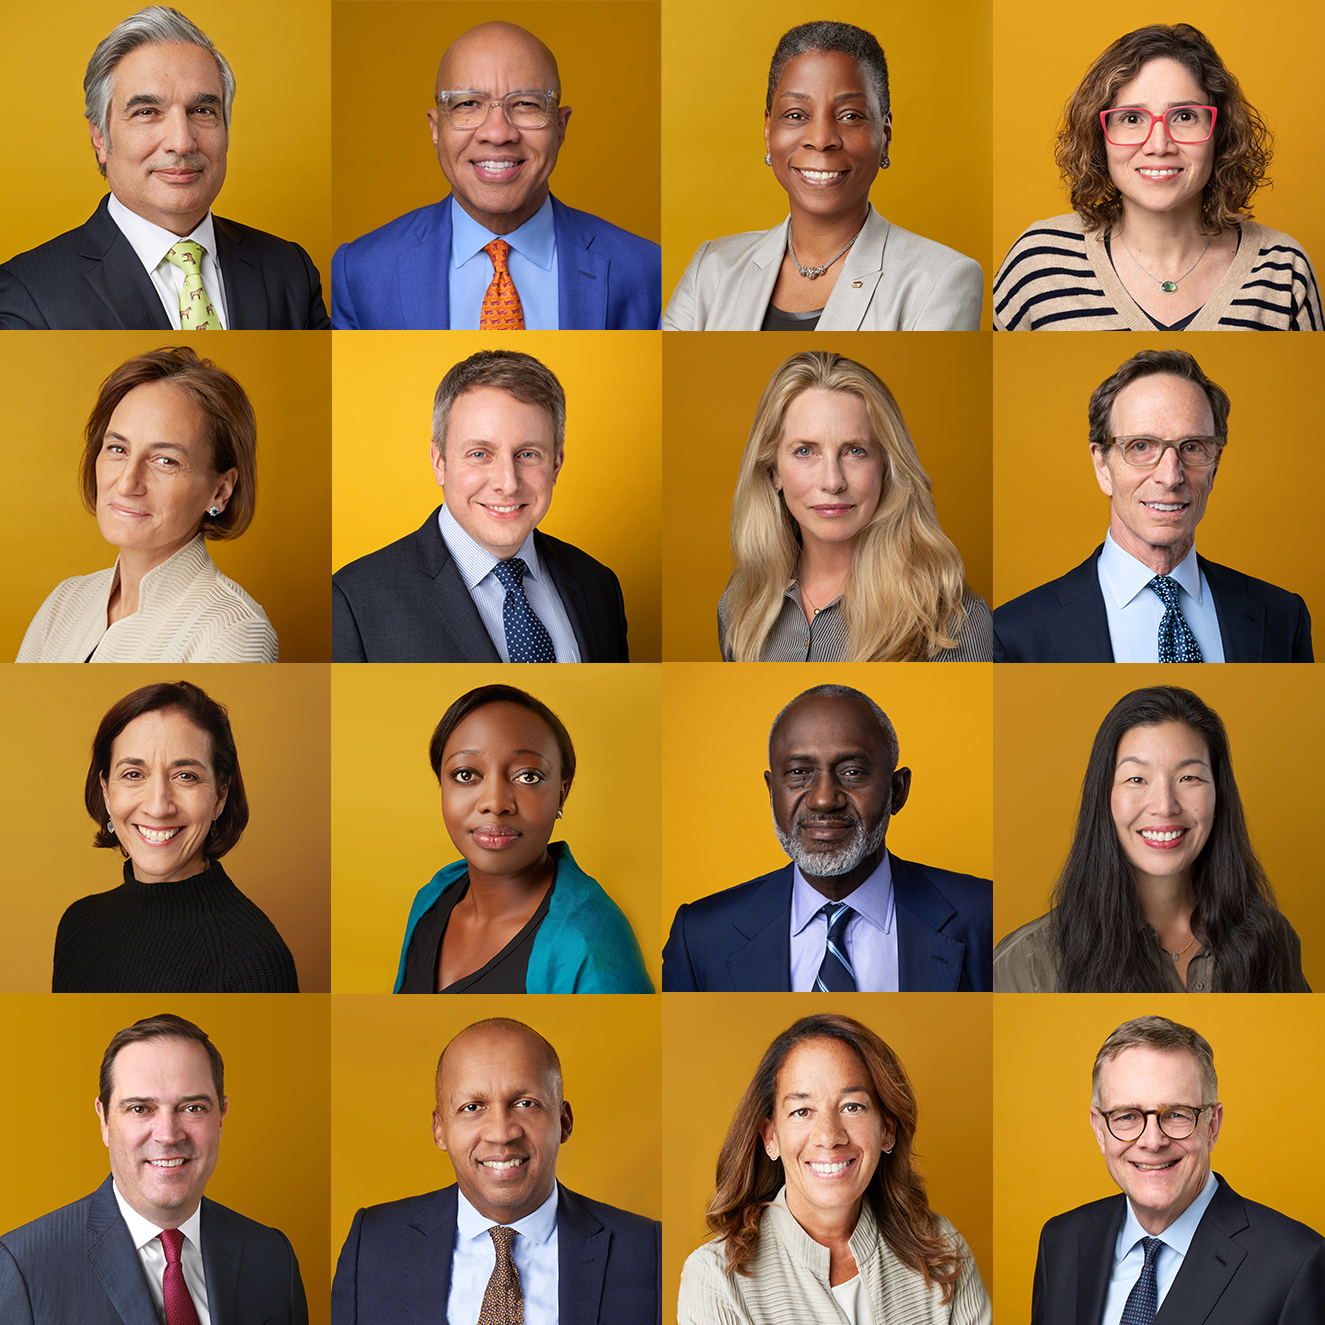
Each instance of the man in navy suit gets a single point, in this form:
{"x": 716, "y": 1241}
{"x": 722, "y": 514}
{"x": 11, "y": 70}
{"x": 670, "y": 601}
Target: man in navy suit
{"x": 1158, "y": 427}
{"x": 147, "y": 1241}
{"x": 152, "y": 256}
{"x": 507, "y": 1237}
{"x": 498, "y": 125}
{"x": 846, "y": 914}
{"x": 1179, "y": 1246}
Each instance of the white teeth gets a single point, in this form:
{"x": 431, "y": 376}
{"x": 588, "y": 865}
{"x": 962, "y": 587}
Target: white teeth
{"x": 495, "y": 166}
{"x": 826, "y": 1169}
{"x": 1158, "y": 174}
{"x": 156, "y": 835}
{"x": 503, "y": 510}
{"x": 1150, "y": 1168}
{"x": 502, "y": 1163}
{"x": 1168, "y": 835}
{"x": 1166, "y": 506}
{"x": 821, "y": 174}
{"x": 166, "y": 1163}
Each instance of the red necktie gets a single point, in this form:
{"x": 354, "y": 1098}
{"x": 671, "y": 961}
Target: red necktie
{"x": 179, "y": 1305}
{"x": 501, "y": 309}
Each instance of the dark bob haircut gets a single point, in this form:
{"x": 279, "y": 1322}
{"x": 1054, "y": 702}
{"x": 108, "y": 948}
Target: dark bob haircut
{"x": 205, "y": 714}
{"x": 500, "y": 694}
{"x": 1150, "y": 363}
{"x": 843, "y": 38}
{"x": 164, "y": 1026}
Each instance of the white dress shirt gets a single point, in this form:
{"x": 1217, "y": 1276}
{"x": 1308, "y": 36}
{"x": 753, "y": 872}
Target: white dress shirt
{"x": 152, "y": 1256}
{"x": 871, "y": 932}
{"x": 533, "y": 1249}
{"x": 532, "y": 263}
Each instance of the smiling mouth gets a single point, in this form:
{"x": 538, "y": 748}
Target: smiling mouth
{"x": 504, "y": 512}
{"x": 1153, "y": 1168}
{"x": 829, "y": 1168}
{"x": 503, "y": 1165}
{"x": 176, "y": 1162}
{"x": 495, "y": 167}
{"x": 1166, "y": 507}
{"x": 157, "y": 836}
{"x": 1151, "y": 172}
{"x": 1163, "y": 836}
{"x": 819, "y": 176}
{"x": 834, "y": 509}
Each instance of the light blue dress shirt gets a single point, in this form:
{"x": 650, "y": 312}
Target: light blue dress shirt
{"x": 532, "y": 263}
{"x": 1135, "y": 611}
{"x": 475, "y": 564}
{"x": 871, "y": 932}
{"x": 533, "y": 1249}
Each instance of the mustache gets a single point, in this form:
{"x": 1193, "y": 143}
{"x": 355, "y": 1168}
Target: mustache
{"x": 191, "y": 161}
{"x": 808, "y": 820}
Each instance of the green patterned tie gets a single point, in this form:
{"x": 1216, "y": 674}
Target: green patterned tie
{"x": 195, "y": 311}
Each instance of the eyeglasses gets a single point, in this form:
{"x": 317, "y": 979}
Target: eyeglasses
{"x": 1177, "y": 1122}
{"x": 523, "y": 110}
{"x": 1147, "y": 452}
{"x": 1130, "y": 126}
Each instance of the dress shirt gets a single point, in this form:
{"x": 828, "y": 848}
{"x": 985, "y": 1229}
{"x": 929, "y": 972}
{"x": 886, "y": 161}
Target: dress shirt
{"x": 151, "y": 243}
{"x": 532, "y": 263}
{"x": 152, "y": 1255}
{"x": 871, "y": 932}
{"x": 1129, "y": 1255}
{"x": 534, "y": 1252}
{"x": 1134, "y": 611}
{"x": 475, "y": 564}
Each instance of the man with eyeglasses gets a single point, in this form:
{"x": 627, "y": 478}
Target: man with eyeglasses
{"x": 1182, "y": 1239}
{"x": 500, "y": 253}
{"x": 1158, "y": 428}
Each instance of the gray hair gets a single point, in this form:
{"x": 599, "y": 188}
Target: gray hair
{"x": 519, "y": 375}
{"x": 1169, "y": 1037}
{"x": 841, "y": 692}
{"x": 1152, "y": 363}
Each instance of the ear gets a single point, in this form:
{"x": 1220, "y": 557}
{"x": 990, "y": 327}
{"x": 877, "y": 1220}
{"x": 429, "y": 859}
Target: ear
{"x": 1216, "y": 1122}
{"x": 437, "y": 451}
{"x": 889, "y": 1132}
{"x": 438, "y": 1135}
{"x": 220, "y": 806}
{"x": 563, "y": 118}
{"x": 565, "y": 791}
{"x": 99, "y": 143}
{"x": 567, "y": 1120}
{"x": 433, "y": 125}
{"x": 558, "y": 462}
{"x": 1099, "y": 1128}
{"x": 887, "y": 134}
{"x": 770, "y": 1137}
{"x": 768, "y": 118}
{"x": 1103, "y": 474}
{"x": 901, "y": 788}
{"x": 225, "y": 1106}
{"x": 225, "y": 485}
{"x": 105, "y": 1132}
{"x": 101, "y": 777}
{"x": 768, "y": 782}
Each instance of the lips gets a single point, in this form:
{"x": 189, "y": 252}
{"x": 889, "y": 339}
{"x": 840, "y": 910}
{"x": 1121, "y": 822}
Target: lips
{"x": 506, "y": 511}
{"x": 819, "y": 176}
{"x": 157, "y": 836}
{"x": 497, "y": 169}
{"x": 507, "y": 1165}
{"x": 1153, "y": 1168}
{"x": 823, "y": 830}
{"x": 835, "y": 510}
{"x": 494, "y": 838}
{"x": 829, "y": 1168}
{"x": 170, "y": 1164}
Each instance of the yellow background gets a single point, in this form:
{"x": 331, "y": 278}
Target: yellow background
{"x": 712, "y": 1044}
{"x": 715, "y": 83}
{"x": 279, "y": 717}
{"x": 606, "y": 502}
{"x": 276, "y": 1136}
{"x": 389, "y": 838}
{"x": 940, "y": 381}
{"x": 1046, "y": 1158}
{"x": 50, "y": 385}
{"x": 384, "y": 72}
{"x": 279, "y": 163}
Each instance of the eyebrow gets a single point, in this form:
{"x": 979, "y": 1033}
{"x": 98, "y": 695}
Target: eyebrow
{"x": 134, "y": 762}
{"x": 165, "y": 446}
{"x": 151, "y": 99}
{"x": 1145, "y": 763}
{"x": 805, "y": 1095}
{"x": 861, "y": 93}
{"x": 806, "y": 757}
{"x": 152, "y": 1099}
{"x": 536, "y": 754}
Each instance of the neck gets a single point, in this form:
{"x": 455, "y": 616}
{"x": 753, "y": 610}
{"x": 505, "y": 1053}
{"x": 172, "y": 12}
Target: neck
{"x": 1172, "y": 239}
{"x": 497, "y": 895}
{"x": 817, "y": 238}
{"x": 504, "y": 223}
{"x": 1167, "y": 902}
{"x": 832, "y": 1231}
{"x": 133, "y": 564}
{"x": 1162, "y": 560}
{"x": 825, "y": 563}
{"x": 838, "y": 887}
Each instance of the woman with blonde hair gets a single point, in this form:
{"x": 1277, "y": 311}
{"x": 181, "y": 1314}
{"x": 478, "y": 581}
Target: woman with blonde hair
{"x": 839, "y": 554}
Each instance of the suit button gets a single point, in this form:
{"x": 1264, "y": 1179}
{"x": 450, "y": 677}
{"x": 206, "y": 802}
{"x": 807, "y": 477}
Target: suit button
{"x": 1200, "y": 986}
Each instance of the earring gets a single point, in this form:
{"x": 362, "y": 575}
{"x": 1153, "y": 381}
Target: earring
{"x": 768, "y": 160}
{"x": 110, "y": 827}
{"x": 889, "y": 1151}
{"x": 214, "y": 511}
{"x": 559, "y": 815}
{"x": 885, "y": 163}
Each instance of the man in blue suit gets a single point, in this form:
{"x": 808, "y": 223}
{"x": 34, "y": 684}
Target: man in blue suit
{"x": 507, "y": 1241}
{"x": 499, "y": 253}
{"x": 846, "y": 914}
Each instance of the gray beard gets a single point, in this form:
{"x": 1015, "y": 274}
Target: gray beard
{"x": 829, "y": 864}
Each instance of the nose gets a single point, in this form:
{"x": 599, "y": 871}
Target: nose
{"x": 178, "y": 135}
{"x": 1152, "y": 1138}
{"x": 824, "y": 793}
{"x": 822, "y": 133}
{"x": 159, "y": 803}
{"x": 501, "y": 1124}
{"x": 831, "y": 478}
{"x": 497, "y": 798}
{"x": 1169, "y": 470}
{"x": 497, "y": 128}
{"x": 1158, "y": 139}
{"x": 828, "y": 1130}
{"x": 131, "y": 477}
{"x": 167, "y": 1127}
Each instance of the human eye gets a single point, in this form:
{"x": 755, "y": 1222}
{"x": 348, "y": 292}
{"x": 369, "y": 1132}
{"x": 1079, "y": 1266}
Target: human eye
{"x": 470, "y": 1109}
{"x": 529, "y": 777}
{"x": 803, "y": 1112}
{"x": 464, "y": 776}
{"x": 527, "y": 1104}
{"x": 476, "y": 454}
{"x": 1125, "y": 1117}
{"x": 853, "y": 1106}
{"x": 207, "y": 110}
{"x": 530, "y": 455}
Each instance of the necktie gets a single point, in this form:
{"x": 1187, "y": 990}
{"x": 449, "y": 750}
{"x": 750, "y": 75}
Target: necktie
{"x": 179, "y": 1305}
{"x": 527, "y": 639}
{"x": 1143, "y": 1300}
{"x": 835, "y": 973}
{"x": 503, "y": 1303}
{"x": 1177, "y": 644}
{"x": 501, "y": 309}
{"x": 195, "y": 312}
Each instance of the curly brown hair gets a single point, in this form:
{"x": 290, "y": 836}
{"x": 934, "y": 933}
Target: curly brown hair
{"x": 1243, "y": 145}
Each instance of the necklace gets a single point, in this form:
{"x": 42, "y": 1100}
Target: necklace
{"x": 1167, "y": 286}
{"x": 1176, "y": 955}
{"x": 813, "y": 273}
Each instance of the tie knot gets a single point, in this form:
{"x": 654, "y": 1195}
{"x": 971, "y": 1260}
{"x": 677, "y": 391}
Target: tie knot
{"x": 1151, "y": 1246}
{"x": 839, "y": 915}
{"x": 186, "y": 255}
{"x": 497, "y": 251}
{"x": 1166, "y": 587}
{"x": 172, "y": 1240}
{"x": 501, "y": 1237}
{"x": 511, "y": 572}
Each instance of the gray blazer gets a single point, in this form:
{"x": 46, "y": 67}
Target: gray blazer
{"x": 891, "y": 280}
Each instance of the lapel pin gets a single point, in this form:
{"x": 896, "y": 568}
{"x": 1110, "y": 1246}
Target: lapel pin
{"x": 855, "y": 285}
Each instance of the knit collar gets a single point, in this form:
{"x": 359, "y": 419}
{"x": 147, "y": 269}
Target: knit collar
{"x": 190, "y": 891}
{"x": 172, "y": 577}
{"x": 810, "y": 1255}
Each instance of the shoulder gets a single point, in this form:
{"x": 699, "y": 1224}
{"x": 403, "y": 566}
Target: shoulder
{"x": 405, "y": 231}
{"x": 917, "y": 253}
{"x": 384, "y": 1222}
{"x": 579, "y": 564}
{"x": 767, "y": 890}
{"x": 1275, "y": 598}
{"x": 1275, "y": 244}
{"x": 1023, "y": 960}
{"x": 372, "y": 571}
{"x": 732, "y": 250}
{"x": 1064, "y": 1229}
{"x": 1288, "y": 1237}
{"x": 1056, "y": 236}
{"x": 621, "y": 1223}
{"x": 617, "y": 242}
{"x": 975, "y": 640}
{"x": 78, "y": 590}
{"x": 1047, "y": 278}
{"x": 964, "y": 891}
{"x": 705, "y": 1281}
{"x": 251, "y": 1233}
{"x": 49, "y": 1235}
{"x": 1035, "y": 603}
{"x": 52, "y": 251}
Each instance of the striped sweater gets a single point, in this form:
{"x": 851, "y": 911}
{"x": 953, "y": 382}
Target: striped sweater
{"x": 1058, "y": 278}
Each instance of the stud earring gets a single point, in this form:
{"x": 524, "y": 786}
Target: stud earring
{"x": 885, "y": 163}
{"x": 768, "y": 159}
{"x": 110, "y": 827}
{"x": 559, "y": 815}
{"x": 889, "y": 1151}
{"x": 213, "y": 511}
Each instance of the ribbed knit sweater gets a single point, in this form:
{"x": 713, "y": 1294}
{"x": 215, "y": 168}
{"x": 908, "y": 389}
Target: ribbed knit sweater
{"x": 201, "y": 935}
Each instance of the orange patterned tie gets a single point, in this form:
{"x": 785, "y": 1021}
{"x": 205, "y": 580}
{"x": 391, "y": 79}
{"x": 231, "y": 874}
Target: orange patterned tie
{"x": 501, "y": 309}
{"x": 503, "y": 1302}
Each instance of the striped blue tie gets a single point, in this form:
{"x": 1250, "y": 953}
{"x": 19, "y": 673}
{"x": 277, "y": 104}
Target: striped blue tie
{"x": 835, "y": 973}
{"x": 527, "y": 640}
{"x": 1177, "y": 644}
{"x": 1143, "y": 1300}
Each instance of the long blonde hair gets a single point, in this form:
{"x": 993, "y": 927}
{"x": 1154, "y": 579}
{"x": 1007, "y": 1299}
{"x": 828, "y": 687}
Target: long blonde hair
{"x": 903, "y": 600}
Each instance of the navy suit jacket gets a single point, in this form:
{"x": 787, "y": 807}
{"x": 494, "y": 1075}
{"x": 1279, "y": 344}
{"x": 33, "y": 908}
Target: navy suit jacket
{"x": 78, "y": 1266}
{"x": 740, "y": 939}
{"x": 398, "y": 278}
{"x": 1247, "y": 1265}
{"x": 395, "y": 1266}
{"x": 1065, "y": 621}
{"x": 407, "y": 602}
{"x": 90, "y": 279}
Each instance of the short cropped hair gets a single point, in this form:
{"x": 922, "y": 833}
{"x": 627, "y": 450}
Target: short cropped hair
{"x": 519, "y": 375}
{"x": 842, "y": 38}
{"x": 506, "y": 1024}
{"x": 1168, "y": 1037}
{"x": 842, "y": 692}
{"x": 164, "y": 1026}
{"x": 500, "y": 694}
{"x": 1148, "y": 363}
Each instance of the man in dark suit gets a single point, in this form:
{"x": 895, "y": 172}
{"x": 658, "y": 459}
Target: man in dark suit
{"x": 1158, "y": 427}
{"x": 846, "y": 914}
{"x": 147, "y": 1241}
{"x": 499, "y": 252}
{"x": 1179, "y": 1246}
{"x": 478, "y": 582}
{"x": 152, "y": 256}
{"x": 507, "y": 1237}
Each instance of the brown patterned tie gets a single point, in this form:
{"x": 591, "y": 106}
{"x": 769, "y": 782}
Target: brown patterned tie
{"x": 503, "y": 1303}
{"x": 501, "y": 309}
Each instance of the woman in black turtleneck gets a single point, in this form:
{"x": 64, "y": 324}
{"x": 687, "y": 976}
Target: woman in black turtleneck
{"x": 164, "y": 787}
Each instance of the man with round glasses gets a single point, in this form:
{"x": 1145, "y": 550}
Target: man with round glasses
{"x": 1158, "y": 427}
{"x": 499, "y": 253}
{"x": 1182, "y": 1237}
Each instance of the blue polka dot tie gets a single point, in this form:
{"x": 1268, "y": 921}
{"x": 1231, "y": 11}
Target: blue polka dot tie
{"x": 835, "y": 973}
{"x": 527, "y": 640}
{"x": 1177, "y": 644}
{"x": 1143, "y": 1300}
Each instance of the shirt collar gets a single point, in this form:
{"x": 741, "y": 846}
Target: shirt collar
{"x": 535, "y": 240}
{"x": 873, "y": 899}
{"x": 143, "y": 1231}
{"x": 473, "y": 560}
{"x": 537, "y": 1227}
{"x": 1179, "y": 1234}
{"x": 150, "y": 242}
{"x": 1126, "y": 576}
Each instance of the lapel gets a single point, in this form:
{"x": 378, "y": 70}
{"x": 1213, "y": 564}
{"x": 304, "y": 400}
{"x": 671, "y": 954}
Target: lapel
{"x": 462, "y": 630}
{"x": 581, "y": 274}
{"x": 582, "y": 1246}
{"x": 744, "y": 309}
{"x": 245, "y": 291}
{"x": 759, "y": 959}
{"x": 427, "y": 1246}
{"x": 423, "y": 271}
{"x": 117, "y": 278}
{"x": 1241, "y": 617}
{"x": 926, "y": 958}
{"x": 1079, "y": 630}
{"x": 1211, "y": 1261}
{"x": 1095, "y": 1248}
{"x": 222, "y": 1253}
{"x": 572, "y": 598}
{"x": 112, "y": 1255}
{"x": 849, "y": 303}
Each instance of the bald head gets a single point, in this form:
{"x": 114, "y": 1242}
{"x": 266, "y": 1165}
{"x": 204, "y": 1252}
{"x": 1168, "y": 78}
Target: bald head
{"x": 489, "y": 46}
{"x": 488, "y": 1041}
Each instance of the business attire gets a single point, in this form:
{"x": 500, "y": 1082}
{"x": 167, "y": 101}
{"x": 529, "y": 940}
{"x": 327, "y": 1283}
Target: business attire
{"x": 79, "y": 1264}
{"x": 1245, "y": 1265}
{"x": 741, "y": 939}
{"x": 396, "y": 1267}
{"x": 92, "y": 279}
{"x": 399, "y": 276}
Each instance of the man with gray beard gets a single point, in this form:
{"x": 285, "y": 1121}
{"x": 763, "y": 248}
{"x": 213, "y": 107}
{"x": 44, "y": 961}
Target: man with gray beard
{"x": 846, "y": 914}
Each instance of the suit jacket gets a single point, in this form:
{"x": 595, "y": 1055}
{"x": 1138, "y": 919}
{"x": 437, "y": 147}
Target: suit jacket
{"x": 1247, "y": 1265}
{"x": 90, "y": 279}
{"x": 78, "y": 1264}
{"x": 395, "y": 1266}
{"x": 407, "y": 602}
{"x": 1065, "y": 621}
{"x": 399, "y": 276}
{"x": 740, "y": 939}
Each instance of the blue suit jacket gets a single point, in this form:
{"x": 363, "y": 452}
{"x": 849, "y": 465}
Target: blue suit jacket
{"x": 740, "y": 939}
{"x": 395, "y": 1266}
{"x": 78, "y": 1266}
{"x": 398, "y": 278}
{"x": 1065, "y": 621}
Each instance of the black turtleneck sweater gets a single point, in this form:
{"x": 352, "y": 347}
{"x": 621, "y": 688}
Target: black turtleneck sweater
{"x": 200, "y": 935}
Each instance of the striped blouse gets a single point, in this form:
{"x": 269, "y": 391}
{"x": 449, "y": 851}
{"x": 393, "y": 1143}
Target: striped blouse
{"x": 1058, "y": 278}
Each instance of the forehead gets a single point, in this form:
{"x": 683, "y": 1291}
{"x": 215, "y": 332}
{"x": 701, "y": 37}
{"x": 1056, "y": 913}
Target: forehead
{"x": 828, "y": 725}
{"x": 501, "y": 729}
{"x": 497, "y": 58}
{"x": 160, "y": 412}
{"x": 495, "y": 1063}
{"x": 487, "y": 413}
{"x": 1169, "y": 741}
{"x": 818, "y": 412}
{"x": 182, "y": 68}
{"x": 826, "y": 75}
{"x": 1150, "y": 1077}
{"x": 1164, "y": 81}
{"x": 165, "y": 734}
{"x": 828, "y": 1066}
{"x": 162, "y": 1069}
{"x": 1164, "y": 406}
